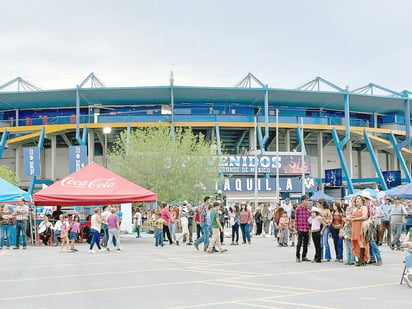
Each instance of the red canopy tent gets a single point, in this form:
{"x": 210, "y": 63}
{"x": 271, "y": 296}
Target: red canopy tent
{"x": 92, "y": 185}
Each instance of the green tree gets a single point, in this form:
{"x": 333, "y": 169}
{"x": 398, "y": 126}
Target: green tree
{"x": 7, "y": 174}
{"x": 183, "y": 167}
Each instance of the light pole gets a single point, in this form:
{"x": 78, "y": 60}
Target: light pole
{"x": 106, "y": 131}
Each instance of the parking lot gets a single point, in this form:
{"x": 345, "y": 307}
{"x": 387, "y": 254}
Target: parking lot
{"x": 260, "y": 275}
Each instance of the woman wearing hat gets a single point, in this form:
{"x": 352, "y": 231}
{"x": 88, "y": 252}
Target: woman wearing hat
{"x": 316, "y": 221}
{"x": 360, "y": 248}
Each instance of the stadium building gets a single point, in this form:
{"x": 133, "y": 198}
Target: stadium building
{"x": 346, "y": 139}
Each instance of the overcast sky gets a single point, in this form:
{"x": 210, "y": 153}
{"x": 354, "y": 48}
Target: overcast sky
{"x": 285, "y": 43}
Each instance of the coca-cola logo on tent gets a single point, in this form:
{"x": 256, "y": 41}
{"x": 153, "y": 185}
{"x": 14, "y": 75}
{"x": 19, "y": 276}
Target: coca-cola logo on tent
{"x": 99, "y": 183}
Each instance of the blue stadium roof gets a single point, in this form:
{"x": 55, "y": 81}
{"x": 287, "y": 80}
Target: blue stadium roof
{"x": 332, "y": 100}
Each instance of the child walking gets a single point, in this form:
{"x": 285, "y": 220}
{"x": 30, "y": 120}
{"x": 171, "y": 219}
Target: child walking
{"x": 159, "y": 222}
{"x": 284, "y": 223}
{"x": 64, "y": 236}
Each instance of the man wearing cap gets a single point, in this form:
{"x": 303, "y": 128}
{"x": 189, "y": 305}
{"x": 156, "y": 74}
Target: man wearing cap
{"x": 385, "y": 224}
{"x": 302, "y": 229}
{"x": 396, "y": 215}
{"x": 287, "y": 206}
{"x": 21, "y": 213}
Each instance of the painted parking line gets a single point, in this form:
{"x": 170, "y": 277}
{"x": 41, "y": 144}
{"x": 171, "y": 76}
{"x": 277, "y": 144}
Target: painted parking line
{"x": 100, "y": 290}
{"x": 297, "y": 305}
{"x": 272, "y": 286}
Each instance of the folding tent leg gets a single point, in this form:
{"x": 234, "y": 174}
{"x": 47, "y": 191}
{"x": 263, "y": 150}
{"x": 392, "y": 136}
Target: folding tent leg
{"x": 403, "y": 274}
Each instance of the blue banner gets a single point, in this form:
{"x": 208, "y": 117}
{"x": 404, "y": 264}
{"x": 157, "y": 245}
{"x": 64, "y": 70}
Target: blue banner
{"x": 77, "y": 157}
{"x": 286, "y": 184}
{"x": 333, "y": 177}
{"x": 31, "y": 159}
{"x": 392, "y": 178}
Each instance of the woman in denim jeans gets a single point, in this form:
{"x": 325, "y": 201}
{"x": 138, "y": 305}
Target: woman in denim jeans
{"x": 327, "y": 217}
{"x": 245, "y": 220}
{"x": 336, "y": 226}
{"x": 5, "y": 223}
{"x": 96, "y": 220}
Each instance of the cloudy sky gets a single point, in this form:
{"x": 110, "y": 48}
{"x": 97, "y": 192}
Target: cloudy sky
{"x": 285, "y": 43}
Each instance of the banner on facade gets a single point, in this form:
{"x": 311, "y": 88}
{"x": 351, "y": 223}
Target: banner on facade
{"x": 265, "y": 164}
{"x": 286, "y": 184}
{"x": 392, "y": 178}
{"x": 77, "y": 157}
{"x": 333, "y": 177}
{"x": 31, "y": 161}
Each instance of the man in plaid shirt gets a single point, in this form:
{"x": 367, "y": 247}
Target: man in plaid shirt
{"x": 203, "y": 224}
{"x": 302, "y": 228}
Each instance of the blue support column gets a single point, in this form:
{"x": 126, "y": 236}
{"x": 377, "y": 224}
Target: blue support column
{"x": 339, "y": 149}
{"x": 340, "y": 144}
{"x": 397, "y": 149}
{"x": 375, "y": 160}
{"x": 263, "y": 140}
{"x": 41, "y": 138}
{"x": 3, "y": 142}
{"x": 82, "y": 141}
{"x": 32, "y": 184}
{"x": 301, "y": 140}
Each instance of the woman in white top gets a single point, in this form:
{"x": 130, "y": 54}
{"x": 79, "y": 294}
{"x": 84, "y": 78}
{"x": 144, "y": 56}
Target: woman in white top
{"x": 58, "y": 226}
{"x": 96, "y": 224}
{"x": 184, "y": 222}
{"x": 315, "y": 221}
{"x": 137, "y": 222}
{"x": 45, "y": 228}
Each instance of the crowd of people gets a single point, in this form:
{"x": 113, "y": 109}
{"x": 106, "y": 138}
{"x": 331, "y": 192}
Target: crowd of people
{"x": 354, "y": 228}
{"x": 351, "y": 231}
{"x": 61, "y": 229}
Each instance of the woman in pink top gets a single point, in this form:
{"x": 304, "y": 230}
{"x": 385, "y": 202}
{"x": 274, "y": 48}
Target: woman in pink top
{"x": 245, "y": 220}
{"x": 74, "y": 232}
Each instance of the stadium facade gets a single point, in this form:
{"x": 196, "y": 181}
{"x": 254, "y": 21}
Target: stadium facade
{"x": 346, "y": 138}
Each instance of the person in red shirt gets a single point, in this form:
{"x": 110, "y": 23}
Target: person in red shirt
{"x": 164, "y": 212}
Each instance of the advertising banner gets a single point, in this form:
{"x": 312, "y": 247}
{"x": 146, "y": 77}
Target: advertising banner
{"x": 31, "y": 160}
{"x": 77, "y": 157}
{"x": 333, "y": 177}
{"x": 286, "y": 184}
{"x": 288, "y": 164}
{"x": 392, "y": 178}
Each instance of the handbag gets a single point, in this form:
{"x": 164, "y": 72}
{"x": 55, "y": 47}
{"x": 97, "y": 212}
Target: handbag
{"x": 341, "y": 233}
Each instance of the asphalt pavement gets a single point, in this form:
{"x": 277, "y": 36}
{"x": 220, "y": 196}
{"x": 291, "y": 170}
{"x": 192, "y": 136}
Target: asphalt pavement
{"x": 259, "y": 275}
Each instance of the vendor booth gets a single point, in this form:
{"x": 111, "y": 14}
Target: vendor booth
{"x": 95, "y": 185}
{"x": 92, "y": 185}
{"x": 10, "y": 194}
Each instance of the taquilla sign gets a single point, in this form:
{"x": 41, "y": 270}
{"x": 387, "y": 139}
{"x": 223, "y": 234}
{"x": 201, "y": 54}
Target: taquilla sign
{"x": 286, "y": 184}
